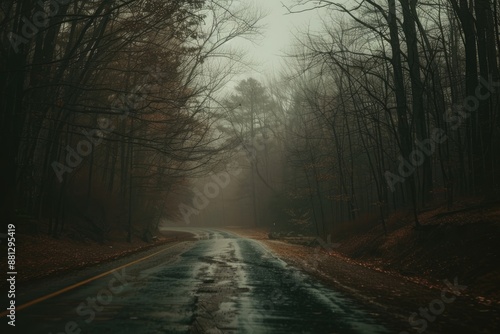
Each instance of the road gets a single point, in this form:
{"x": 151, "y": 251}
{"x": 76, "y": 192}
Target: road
{"x": 219, "y": 283}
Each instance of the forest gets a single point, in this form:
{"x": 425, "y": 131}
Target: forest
{"x": 106, "y": 108}
{"x": 112, "y": 111}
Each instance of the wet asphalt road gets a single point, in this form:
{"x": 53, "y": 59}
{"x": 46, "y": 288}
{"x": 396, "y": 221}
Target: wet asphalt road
{"x": 220, "y": 283}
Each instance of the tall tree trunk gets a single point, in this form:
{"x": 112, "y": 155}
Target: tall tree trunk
{"x": 464, "y": 14}
{"x": 403, "y": 128}
{"x": 417, "y": 89}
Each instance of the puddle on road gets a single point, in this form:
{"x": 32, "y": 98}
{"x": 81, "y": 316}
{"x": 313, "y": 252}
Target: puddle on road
{"x": 217, "y": 307}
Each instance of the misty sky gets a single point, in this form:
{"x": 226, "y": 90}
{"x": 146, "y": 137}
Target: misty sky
{"x": 278, "y": 35}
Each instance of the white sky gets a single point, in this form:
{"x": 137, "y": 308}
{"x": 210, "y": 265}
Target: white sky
{"x": 278, "y": 36}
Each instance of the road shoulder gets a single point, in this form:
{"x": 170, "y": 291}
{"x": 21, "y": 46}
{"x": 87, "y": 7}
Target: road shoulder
{"x": 392, "y": 298}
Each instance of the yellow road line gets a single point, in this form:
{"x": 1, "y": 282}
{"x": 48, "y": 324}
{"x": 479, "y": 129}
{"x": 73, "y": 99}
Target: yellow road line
{"x": 74, "y": 286}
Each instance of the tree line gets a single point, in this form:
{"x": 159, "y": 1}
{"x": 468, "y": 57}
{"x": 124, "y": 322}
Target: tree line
{"x": 390, "y": 105}
{"x": 106, "y": 107}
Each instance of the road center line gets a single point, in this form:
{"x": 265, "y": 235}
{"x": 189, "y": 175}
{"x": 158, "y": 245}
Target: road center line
{"x": 76, "y": 285}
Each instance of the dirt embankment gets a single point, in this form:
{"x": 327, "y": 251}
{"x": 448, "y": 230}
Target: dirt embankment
{"x": 462, "y": 242}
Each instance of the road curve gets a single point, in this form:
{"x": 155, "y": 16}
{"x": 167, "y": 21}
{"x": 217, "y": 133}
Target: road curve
{"x": 220, "y": 283}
